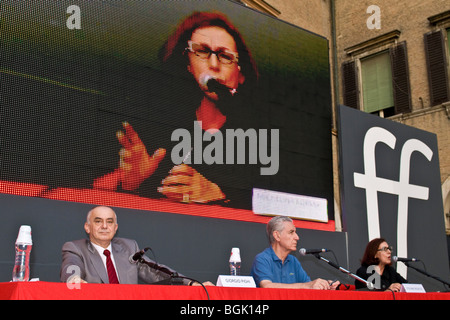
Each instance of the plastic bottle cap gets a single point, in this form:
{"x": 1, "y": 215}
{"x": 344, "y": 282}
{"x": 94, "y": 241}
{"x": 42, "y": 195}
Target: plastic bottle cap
{"x": 24, "y": 236}
{"x": 235, "y": 255}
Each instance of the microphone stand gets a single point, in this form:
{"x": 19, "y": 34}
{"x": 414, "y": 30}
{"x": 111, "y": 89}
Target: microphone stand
{"x": 426, "y": 273}
{"x": 368, "y": 284}
{"x": 173, "y": 275}
{"x": 175, "y": 278}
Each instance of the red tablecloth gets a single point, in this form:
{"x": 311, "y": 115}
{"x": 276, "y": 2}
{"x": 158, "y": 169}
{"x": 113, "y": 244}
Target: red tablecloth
{"x": 59, "y": 291}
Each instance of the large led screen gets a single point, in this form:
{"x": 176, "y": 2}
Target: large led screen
{"x": 173, "y": 106}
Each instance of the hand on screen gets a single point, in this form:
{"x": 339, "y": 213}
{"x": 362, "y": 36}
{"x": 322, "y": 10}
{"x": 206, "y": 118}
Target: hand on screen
{"x": 135, "y": 164}
{"x": 186, "y": 184}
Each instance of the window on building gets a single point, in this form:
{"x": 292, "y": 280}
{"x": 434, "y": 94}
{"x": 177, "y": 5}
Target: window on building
{"x": 448, "y": 38}
{"x": 437, "y": 49}
{"x": 376, "y": 83}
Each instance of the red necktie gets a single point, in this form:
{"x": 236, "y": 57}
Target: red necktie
{"x": 112, "y": 276}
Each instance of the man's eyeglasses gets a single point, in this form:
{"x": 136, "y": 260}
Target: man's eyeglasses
{"x": 390, "y": 248}
{"x": 204, "y": 52}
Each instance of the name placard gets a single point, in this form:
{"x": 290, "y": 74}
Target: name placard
{"x": 236, "y": 281}
{"x": 412, "y": 287}
{"x": 276, "y": 203}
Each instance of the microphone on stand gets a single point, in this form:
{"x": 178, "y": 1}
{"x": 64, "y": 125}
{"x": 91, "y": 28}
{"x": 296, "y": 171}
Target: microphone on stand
{"x": 395, "y": 259}
{"x": 138, "y": 255}
{"x": 304, "y": 251}
{"x": 174, "y": 277}
{"x": 407, "y": 261}
{"x": 316, "y": 253}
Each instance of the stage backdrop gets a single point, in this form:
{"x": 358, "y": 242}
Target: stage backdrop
{"x": 391, "y": 189}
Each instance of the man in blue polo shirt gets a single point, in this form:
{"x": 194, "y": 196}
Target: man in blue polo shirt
{"x": 276, "y": 268}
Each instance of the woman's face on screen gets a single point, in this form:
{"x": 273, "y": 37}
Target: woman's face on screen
{"x": 222, "y": 63}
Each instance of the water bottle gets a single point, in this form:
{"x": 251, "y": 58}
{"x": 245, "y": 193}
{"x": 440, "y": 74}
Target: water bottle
{"x": 235, "y": 262}
{"x": 21, "y": 271}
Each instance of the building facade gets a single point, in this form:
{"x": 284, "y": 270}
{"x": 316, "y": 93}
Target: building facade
{"x": 386, "y": 58}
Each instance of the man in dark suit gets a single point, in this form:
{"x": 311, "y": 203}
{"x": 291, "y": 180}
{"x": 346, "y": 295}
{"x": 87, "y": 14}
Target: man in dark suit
{"x": 90, "y": 260}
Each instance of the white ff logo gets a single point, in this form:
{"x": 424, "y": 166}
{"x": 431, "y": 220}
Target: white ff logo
{"x": 369, "y": 181}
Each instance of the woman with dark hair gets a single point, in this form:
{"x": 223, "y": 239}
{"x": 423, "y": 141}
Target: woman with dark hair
{"x": 176, "y": 56}
{"x": 213, "y": 70}
{"x": 376, "y": 264}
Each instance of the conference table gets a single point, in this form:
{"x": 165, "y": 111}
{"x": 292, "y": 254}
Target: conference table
{"x": 41, "y": 290}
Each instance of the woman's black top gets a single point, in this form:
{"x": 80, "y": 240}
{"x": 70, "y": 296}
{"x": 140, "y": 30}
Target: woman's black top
{"x": 388, "y": 277}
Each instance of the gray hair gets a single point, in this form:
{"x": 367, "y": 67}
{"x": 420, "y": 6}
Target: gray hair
{"x": 276, "y": 224}
{"x": 88, "y": 216}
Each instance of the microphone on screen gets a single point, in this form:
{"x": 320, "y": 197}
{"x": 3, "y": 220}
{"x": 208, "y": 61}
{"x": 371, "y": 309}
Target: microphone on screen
{"x": 304, "y": 251}
{"x": 213, "y": 85}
